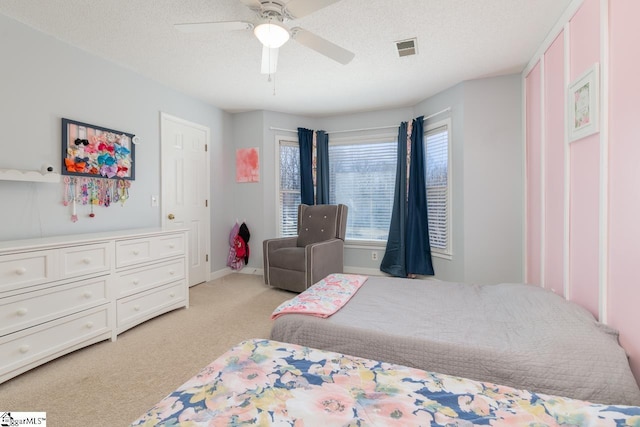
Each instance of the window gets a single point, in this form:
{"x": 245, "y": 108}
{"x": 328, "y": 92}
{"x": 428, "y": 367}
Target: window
{"x": 436, "y": 140}
{"x": 289, "y": 187}
{"x": 362, "y": 176}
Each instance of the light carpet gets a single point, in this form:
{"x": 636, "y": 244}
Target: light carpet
{"x": 113, "y": 383}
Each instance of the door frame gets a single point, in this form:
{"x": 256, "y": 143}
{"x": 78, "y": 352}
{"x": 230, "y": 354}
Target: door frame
{"x": 164, "y": 117}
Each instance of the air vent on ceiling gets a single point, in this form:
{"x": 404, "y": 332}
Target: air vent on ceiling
{"x": 407, "y": 47}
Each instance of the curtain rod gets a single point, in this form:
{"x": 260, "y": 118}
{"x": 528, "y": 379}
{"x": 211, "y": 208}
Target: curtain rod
{"x": 366, "y": 129}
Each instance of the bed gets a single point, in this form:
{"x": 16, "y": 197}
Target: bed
{"x": 512, "y": 334}
{"x": 268, "y": 383}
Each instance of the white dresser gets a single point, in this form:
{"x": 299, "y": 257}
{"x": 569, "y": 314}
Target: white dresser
{"x": 59, "y": 294}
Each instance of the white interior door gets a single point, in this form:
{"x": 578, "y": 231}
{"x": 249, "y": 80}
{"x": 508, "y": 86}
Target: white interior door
{"x": 185, "y": 188}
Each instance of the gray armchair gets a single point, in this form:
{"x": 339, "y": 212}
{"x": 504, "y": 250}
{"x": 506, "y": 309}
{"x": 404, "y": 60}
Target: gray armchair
{"x": 295, "y": 263}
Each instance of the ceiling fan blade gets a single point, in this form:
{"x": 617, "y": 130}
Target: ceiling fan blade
{"x": 300, "y": 8}
{"x": 322, "y": 46}
{"x": 269, "y": 60}
{"x": 199, "y": 27}
{"x": 252, "y": 4}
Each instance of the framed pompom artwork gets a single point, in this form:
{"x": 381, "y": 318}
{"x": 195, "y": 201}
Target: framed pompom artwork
{"x": 98, "y": 152}
{"x": 247, "y": 165}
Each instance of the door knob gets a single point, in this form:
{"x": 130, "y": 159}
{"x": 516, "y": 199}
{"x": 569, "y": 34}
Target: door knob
{"x": 171, "y": 216}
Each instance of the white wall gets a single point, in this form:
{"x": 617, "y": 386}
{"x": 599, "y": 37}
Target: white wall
{"x": 248, "y": 197}
{"x": 487, "y": 154}
{"x": 255, "y": 203}
{"x": 487, "y": 169}
{"x": 493, "y": 180}
{"x": 44, "y": 80}
{"x": 451, "y": 269}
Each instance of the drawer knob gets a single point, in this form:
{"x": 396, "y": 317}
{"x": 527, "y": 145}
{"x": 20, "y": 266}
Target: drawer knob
{"x": 87, "y": 294}
{"x": 22, "y": 311}
{"x": 136, "y": 308}
{"x": 136, "y": 252}
{"x": 172, "y": 294}
{"x": 172, "y": 272}
{"x": 86, "y": 260}
{"x": 24, "y": 348}
{"x": 136, "y": 281}
{"x": 20, "y": 271}
{"x": 171, "y": 246}
{"x": 89, "y": 325}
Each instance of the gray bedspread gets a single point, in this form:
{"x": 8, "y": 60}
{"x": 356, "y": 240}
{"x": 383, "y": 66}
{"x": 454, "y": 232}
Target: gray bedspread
{"x": 510, "y": 334}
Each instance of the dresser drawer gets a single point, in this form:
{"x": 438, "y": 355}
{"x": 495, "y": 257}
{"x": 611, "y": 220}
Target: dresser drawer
{"x": 26, "y": 269}
{"x": 148, "y": 249}
{"x": 131, "y": 252}
{"x": 31, "y": 346}
{"x": 151, "y": 276}
{"x": 169, "y": 246}
{"x": 145, "y": 305}
{"x": 82, "y": 260}
{"x": 32, "y": 308}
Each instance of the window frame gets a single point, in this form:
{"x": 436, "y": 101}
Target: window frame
{"x": 290, "y": 141}
{"x": 365, "y": 139}
{"x": 429, "y": 127}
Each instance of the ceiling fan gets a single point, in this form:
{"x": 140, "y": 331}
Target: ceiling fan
{"x": 272, "y": 32}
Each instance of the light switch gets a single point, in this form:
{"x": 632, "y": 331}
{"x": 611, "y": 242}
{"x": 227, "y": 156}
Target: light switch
{"x": 154, "y": 202}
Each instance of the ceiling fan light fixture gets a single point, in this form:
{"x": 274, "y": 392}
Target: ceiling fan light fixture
{"x": 271, "y": 35}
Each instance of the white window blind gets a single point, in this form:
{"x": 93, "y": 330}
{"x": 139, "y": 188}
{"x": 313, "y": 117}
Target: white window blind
{"x": 437, "y": 183}
{"x": 289, "y": 187}
{"x": 362, "y": 176}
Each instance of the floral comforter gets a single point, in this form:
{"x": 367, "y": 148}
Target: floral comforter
{"x": 269, "y": 383}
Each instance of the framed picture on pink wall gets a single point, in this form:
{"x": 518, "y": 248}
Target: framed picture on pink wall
{"x": 247, "y": 165}
{"x": 584, "y": 104}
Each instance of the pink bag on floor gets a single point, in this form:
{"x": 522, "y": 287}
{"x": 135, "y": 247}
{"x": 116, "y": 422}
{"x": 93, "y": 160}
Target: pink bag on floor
{"x": 233, "y": 261}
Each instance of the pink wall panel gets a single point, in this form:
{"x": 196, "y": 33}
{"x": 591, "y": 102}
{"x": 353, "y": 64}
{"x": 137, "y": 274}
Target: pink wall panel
{"x": 584, "y": 223}
{"x": 554, "y": 166}
{"x": 585, "y": 38}
{"x": 584, "y": 177}
{"x": 533, "y": 164}
{"x": 624, "y": 178}
{"x": 622, "y": 285}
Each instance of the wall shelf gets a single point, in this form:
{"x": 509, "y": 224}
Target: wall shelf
{"x": 28, "y": 175}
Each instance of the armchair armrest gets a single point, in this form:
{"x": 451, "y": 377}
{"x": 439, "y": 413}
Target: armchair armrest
{"x": 324, "y": 258}
{"x": 270, "y": 245}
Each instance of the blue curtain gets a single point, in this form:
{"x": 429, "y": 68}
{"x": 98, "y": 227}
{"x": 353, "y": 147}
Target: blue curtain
{"x": 394, "y": 260}
{"x": 418, "y": 249}
{"x": 322, "y": 184}
{"x": 305, "y": 139}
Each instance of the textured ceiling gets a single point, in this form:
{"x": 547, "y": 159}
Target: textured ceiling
{"x": 457, "y": 40}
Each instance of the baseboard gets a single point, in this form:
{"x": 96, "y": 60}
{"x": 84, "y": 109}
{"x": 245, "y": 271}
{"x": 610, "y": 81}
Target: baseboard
{"x": 260, "y": 271}
{"x": 213, "y": 275}
{"x": 362, "y": 270}
{"x": 251, "y": 270}
{"x": 226, "y": 271}
{"x": 377, "y": 272}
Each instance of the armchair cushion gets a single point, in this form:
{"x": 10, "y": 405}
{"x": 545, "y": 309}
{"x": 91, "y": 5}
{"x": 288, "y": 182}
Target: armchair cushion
{"x": 317, "y": 223}
{"x": 290, "y": 258}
